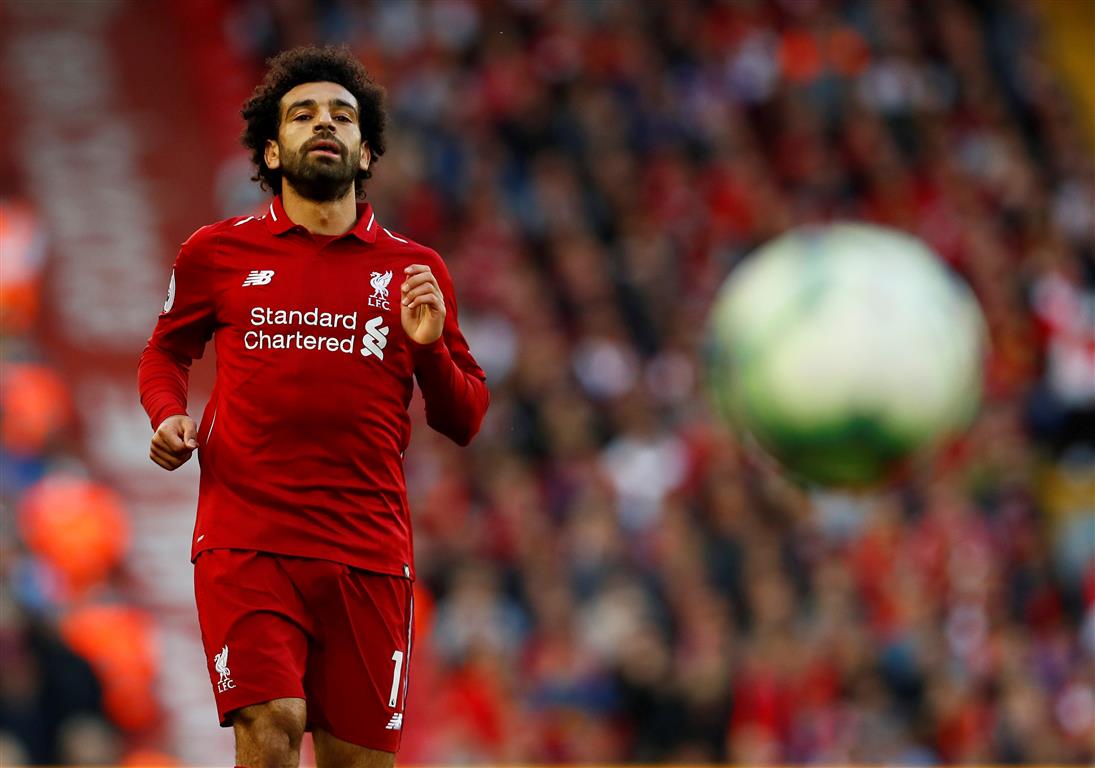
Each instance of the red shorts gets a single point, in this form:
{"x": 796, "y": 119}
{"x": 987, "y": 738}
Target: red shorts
{"x": 293, "y": 627}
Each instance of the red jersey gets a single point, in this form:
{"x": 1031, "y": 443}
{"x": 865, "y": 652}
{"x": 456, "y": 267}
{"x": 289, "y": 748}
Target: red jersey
{"x": 301, "y": 445}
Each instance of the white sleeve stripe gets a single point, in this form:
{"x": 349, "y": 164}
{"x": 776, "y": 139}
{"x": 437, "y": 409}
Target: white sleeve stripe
{"x": 393, "y": 237}
{"x": 212, "y": 423}
{"x": 243, "y": 221}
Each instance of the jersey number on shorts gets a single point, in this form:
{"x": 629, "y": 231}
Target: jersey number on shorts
{"x": 397, "y": 657}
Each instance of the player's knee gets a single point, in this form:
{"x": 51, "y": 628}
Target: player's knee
{"x": 275, "y": 724}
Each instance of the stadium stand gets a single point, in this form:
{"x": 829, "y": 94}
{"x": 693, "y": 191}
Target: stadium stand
{"x": 605, "y": 575}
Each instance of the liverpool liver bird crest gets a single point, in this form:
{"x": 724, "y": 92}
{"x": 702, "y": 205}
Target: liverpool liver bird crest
{"x": 379, "y": 281}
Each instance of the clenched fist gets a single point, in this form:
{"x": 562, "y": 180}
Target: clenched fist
{"x": 174, "y": 441}
{"x": 423, "y": 306}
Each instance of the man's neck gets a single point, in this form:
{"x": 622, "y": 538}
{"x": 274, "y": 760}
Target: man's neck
{"x": 333, "y": 217}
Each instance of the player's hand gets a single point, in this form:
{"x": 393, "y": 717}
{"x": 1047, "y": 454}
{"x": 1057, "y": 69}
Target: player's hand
{"x": 174, "y": 441}
{"x": 422, "y": 307}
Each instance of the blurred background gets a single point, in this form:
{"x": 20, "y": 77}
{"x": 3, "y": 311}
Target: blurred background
{"x": 605, "y": 574}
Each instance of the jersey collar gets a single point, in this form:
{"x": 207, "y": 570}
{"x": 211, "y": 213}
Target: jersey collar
{"x": 364, "y": 229}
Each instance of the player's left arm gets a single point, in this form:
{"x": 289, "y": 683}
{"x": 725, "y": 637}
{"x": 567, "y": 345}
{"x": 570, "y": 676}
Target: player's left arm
{"x": 452, "y": 383}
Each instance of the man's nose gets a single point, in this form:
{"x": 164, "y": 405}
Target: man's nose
{"x": 325, "y": 121}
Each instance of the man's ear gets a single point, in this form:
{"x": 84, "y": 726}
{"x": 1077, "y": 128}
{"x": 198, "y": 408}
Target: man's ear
{"x": 272, "y": 155}
{"x": 366, "y": 157}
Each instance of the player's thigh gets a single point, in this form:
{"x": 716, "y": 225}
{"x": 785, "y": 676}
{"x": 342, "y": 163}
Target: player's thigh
{"x": 357, "y": 677}
{"x": 333, "y": 752}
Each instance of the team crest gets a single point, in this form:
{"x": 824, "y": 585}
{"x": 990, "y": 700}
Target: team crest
{"x": 220, "y": 663}
{"x": 379, "y": 281}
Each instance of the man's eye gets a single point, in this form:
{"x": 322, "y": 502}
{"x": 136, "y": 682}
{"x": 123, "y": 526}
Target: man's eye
{"x": 300, "y": 117}
{"x": 344, "y": 118}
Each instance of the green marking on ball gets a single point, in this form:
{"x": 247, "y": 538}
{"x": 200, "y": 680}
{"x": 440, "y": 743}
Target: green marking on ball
{"x": 844, "y": 350}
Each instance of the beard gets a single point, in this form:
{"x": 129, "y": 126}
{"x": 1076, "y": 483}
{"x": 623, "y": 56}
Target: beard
{"x": 318, "y": 177}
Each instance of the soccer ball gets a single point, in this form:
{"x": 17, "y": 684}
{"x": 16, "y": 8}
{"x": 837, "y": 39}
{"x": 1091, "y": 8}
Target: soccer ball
{"x": 844, "y": 350}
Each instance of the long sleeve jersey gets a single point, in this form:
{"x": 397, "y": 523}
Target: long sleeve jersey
{"x": 301, "y": 445}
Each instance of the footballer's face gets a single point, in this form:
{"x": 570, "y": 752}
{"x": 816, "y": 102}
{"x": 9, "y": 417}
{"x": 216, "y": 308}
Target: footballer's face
{"x": 318, "y": 149}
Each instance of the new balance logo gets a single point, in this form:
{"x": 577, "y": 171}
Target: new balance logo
{"x": 396, "y": 723}
{"x": 258, "y": 277}
{"x": 375, "y": 339}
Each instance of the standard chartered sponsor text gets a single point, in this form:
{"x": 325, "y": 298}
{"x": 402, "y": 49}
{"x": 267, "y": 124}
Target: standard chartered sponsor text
{"x": 298, "y": 339}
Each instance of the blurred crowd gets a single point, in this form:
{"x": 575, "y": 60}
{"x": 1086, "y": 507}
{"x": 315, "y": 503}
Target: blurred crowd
{"x": 77, "y": 655}
{"x": 606, "y": 574}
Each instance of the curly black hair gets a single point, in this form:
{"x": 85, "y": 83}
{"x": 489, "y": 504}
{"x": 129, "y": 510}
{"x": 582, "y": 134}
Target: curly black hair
{"x": 311, "y": 64}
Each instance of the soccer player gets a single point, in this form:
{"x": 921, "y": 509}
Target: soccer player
{"x": 322, "y": 320}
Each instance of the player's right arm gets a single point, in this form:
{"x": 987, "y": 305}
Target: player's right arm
{"x": 185, "y": 325}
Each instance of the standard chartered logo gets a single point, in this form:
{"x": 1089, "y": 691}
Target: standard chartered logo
{"x": 375, "y": 338}
{"x": 324, "y": 331}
